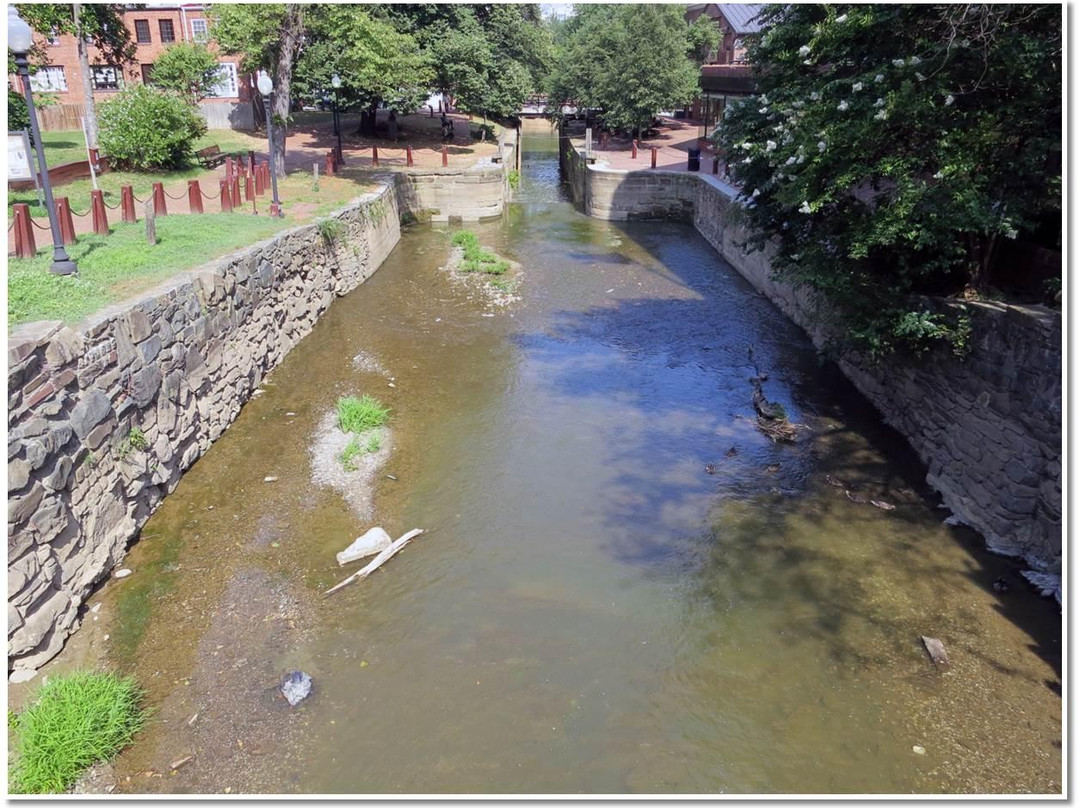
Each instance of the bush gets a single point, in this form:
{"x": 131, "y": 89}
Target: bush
{"x": 18, "y": 116}
{"x": 76, "y": 720}
{"x": 143, "y": 128}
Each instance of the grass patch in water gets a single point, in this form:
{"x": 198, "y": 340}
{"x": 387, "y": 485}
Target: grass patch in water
{"x": 358, "y": 415}
{"x": 502, "y": 284}
{"x": 74, "y": 721}
{"x": 476, "y": 258}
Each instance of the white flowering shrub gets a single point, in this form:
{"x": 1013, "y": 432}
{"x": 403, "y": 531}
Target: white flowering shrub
{"x": 878, "y": 199}
{"x": 145, "y": 129}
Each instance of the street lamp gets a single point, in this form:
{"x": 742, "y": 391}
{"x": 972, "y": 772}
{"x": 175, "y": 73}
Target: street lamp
{"x": 336, "y": 83}
{"x": 20, "y": 40}
{"x": 266, "y": 86}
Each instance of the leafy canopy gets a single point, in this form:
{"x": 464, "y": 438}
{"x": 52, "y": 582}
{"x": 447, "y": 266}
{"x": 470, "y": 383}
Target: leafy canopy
{"x": 189, "y": 68}
{"x": 631, "y": 61}
{"x": 144, "y": 128}
{"x": 892, "y": 147}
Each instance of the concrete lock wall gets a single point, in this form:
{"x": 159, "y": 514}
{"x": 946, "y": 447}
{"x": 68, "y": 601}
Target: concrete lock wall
{"x": 988, "y": 427}
{"x": 175, "y": 364}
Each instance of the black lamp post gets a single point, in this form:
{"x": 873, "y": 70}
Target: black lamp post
{"x": 20, "y": 40}
{"x": 266, "y": 86}
{"x": 336, "y": 82}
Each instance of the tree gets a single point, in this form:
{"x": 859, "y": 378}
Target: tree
{"x": 102, "y": 24}
{"x": 146, "y": 128}
{"x": 189, "y": 68}
{"x": 374, "y": 60}
{"x": 267, "y": 36}
{"x": 630, "y": 61}
{"x": 891, "y": 149}
{"x": 704, "y": 38}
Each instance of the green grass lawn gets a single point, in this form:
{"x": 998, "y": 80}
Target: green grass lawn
{"x": 122, "y": 264}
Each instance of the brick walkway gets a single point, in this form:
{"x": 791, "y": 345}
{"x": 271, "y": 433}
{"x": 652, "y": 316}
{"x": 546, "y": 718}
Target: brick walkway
{"x": 673, "y": 140}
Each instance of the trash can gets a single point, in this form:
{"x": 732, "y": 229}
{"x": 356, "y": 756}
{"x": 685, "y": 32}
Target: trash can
{"x": 693, "y": 160}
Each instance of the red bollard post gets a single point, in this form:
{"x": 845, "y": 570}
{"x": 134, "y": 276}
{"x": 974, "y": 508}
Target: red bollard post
{"x": 127, "y": 204}
{"x": 94, "y": 159}
{"x": 194, "y": 197}
{"x": 408, "y": 156}
{"x": 235, "y": 191}
{"x": 257, "y": 171}
{"x": 24, "y": 231}
{"x": 604, "y": 140}
{"x": 374, "y": 155}
{"x": 228, "y": 168}
{"x": 159, "y": 200}
{"x": 654, "y": 156}
{"x": 67, "y": 223}
{"x": 226, "y": 200}
{"x": 445, "y": 157}
{"x": 249, "y": 188}
{"x": 329, "y": 170}
{"x": 633, "y": 150}
{"x": 99, "y": 217}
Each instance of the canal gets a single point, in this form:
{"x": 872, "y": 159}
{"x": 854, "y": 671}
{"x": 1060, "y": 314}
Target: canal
{"x": 624, "y": 587}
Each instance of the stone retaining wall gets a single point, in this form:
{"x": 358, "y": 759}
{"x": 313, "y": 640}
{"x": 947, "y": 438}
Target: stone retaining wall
{"x": 104, "y": 417}
{"x": 988, "y": 428}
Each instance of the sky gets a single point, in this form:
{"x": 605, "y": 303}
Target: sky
{"x": 557, "y": 9}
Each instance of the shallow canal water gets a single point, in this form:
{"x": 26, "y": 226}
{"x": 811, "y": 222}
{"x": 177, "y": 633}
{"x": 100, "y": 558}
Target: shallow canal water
{"x": 591, "y": 611}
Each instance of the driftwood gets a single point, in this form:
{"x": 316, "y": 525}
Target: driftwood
{"x": 376, "y": 562}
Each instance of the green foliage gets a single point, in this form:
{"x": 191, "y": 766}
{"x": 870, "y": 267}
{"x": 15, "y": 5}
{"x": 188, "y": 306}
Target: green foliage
{"x": 502, "y": 284}
{"x": 102, "y": 23}
{"x": 477, "y": 259}
{"x": 251, "y": 31}
{"x": 137, "y": 439}
{"x": 703, "y": 36}
{"x": 144, "y": 128}
{"x": 514, "y": 178}
{"x": 890, "y": 150}
{"x": 18, "y": 113}
{"x": 373, "y": 443}
{"x": 330, "y": 230}
{"x": 358, "y": 415}
{"x": 188, "y": 68}
{"x": 351, "y": 453}
{"x": 630, "y": 61}
{"x": 76, "y": 720}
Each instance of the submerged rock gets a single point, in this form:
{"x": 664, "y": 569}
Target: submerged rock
{"x": 374, "y": 541}
{"x": 295, "y": 687}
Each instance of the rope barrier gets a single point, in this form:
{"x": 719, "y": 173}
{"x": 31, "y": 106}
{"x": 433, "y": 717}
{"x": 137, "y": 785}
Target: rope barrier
{"x": 206, "y": 195}
{"x": 80, "y": 215}
{"x": 111, "y": 207}
{"x": 141, "y": 201}
{"x": 40, "y": 226}
{"x": 174, "y": 198}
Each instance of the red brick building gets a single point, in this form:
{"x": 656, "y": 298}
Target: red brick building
{"x": 725, "y": 73}
{"x": 153, "y": 29}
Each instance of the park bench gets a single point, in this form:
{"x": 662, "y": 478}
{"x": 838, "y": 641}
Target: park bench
{"x": 211, "y": 156}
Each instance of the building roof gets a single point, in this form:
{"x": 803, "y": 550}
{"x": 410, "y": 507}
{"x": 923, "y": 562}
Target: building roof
{"x": 742, "y": 16}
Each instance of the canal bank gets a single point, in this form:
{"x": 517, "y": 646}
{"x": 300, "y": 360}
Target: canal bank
{"x": 591, "y": 611}
{"x": 987, "y": 427}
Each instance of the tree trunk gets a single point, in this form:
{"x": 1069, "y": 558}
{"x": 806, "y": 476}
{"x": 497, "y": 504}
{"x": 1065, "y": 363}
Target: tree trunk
{"x": 87, "y": 82}
{"x": 291, "y": 32}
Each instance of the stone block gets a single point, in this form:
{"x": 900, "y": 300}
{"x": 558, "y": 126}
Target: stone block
{"x": 21, "y": 508}
{"x": 145, "y": 384}
{"x": 94, "y": 408}
{"x": 25, "y": 339}
{"x": 64, "y": 347}
{"x": 150, "y": 348}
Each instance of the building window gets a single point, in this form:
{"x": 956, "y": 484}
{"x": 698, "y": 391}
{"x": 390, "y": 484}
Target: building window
{"x": 54, "y": 37}
{"x": 199, "y": 30}
{"x": 147, "y": 75}
{"x": 49, "y": 80}
{"x": 226, "y": 86}
{"x": 165, "y": 28}
{"x": 142, "y": 32}
{"x": 106, "y": 77}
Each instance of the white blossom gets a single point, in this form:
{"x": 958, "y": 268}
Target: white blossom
{"x": 842, "y": 18}
{"x": 799, "y": 161}
{"x": 880, "y": 77}
{"x": 808, "y": 61}
{"x": 770, "y": 145}
{"x": 856, "y": 86}
{"x": 938, "y": 176}
{"x": 920, "y": 76}
{"x": 842, "y": 106}
{"x": 882, "y": 115}
{"x": 949, "y": 100}
{"x": 756, "y": 194}
{"x": 804, "y": 50}
{"x": 879, "y": 103}
{"x": 763, "y": 110}
{"x": 821, "y": 146}
{"x": 748, "y": 161}
{"x": 898, "y": 62}
{"x": 790, "y": 161}
{"x": 805, "y": 207}
{"x": 1011, "y": 234}
{"x": 914, "y": 60}
{"x": 815, "y": 96}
